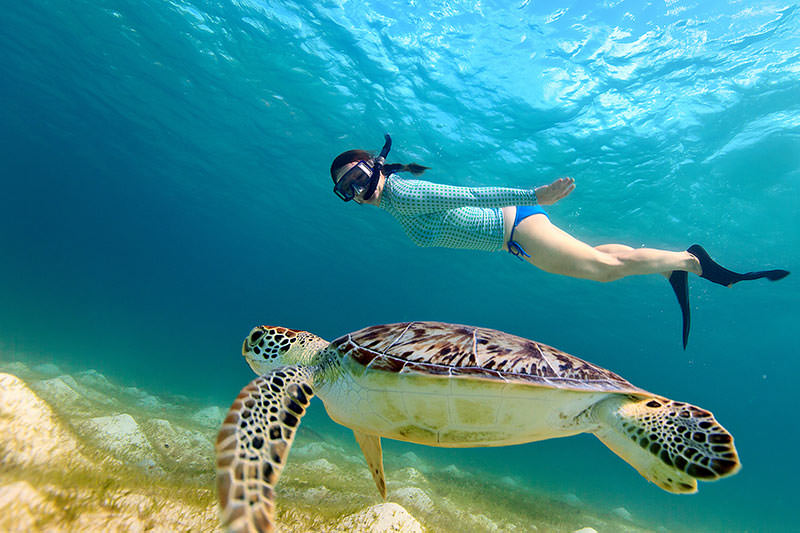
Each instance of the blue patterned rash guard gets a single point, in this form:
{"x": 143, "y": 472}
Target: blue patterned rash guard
{"x": 451, "y": 216}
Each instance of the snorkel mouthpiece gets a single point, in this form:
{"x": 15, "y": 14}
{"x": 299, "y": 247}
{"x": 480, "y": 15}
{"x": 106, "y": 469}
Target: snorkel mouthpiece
{"x": 377, "y": 166}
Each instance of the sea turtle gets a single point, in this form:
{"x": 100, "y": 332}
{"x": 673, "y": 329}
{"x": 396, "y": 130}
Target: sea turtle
{"x": 446, "y": 385}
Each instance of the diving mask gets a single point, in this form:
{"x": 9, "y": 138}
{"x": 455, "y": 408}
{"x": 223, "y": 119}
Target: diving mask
{"x": 354, "y": 181}
{"x": 363, "y": 177}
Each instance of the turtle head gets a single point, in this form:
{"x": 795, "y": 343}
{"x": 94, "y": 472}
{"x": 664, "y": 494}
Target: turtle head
{"x": 267, "y": 347}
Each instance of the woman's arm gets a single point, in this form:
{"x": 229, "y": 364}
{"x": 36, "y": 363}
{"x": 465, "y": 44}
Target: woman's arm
{"x": 416, "y": 196}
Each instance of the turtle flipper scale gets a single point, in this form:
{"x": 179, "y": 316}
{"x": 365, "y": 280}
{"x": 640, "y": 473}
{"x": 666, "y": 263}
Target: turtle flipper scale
{"x": 672, "y": 444}
{"x": 253, "y": 444}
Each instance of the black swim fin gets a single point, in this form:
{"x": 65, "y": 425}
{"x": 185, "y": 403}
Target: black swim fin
{"x": 718, "y": 274}
{"x": 679, "y": 279}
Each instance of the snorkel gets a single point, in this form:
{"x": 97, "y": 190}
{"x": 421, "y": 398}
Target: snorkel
{"x": 363, "y": 177}
{"x": 377, "y": 166}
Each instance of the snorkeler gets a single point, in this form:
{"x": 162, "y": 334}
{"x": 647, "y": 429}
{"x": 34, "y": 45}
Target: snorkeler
{"x": 499, "y": 218}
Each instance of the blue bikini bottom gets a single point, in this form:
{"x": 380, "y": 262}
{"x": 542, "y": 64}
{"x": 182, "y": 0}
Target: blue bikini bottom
{"x": 523, "y": 212}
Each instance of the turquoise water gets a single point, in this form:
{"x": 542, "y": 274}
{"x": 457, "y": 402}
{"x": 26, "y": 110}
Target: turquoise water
{"x": 165, "y": 188}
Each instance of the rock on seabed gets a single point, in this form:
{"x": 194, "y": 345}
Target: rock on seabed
{"x": 413, "y": 497}
{"x": 120, "y": 435}
{"x": 380, "y": 518}
{"x": 31, "y": 433}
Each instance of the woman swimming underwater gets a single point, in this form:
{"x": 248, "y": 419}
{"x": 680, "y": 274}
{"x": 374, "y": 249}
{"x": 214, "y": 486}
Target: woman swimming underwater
{"x": 500, "y": 218}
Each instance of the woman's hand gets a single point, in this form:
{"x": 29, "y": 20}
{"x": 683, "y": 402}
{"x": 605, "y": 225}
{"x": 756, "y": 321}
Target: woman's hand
{"x": 550, "y": 194}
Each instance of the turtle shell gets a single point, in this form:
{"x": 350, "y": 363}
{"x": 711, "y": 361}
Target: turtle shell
{"x": 454, "y": 350}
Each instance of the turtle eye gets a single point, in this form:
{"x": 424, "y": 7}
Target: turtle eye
{"x": 256, "y": 334}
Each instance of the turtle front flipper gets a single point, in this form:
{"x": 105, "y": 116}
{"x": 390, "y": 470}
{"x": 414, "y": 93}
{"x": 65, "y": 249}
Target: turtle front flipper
{"x": 672, "y": 444}
{"x": 253, "y": 444}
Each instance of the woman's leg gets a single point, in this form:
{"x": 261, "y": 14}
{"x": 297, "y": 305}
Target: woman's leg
{"x": 620, "y": 248}
{"x": 609, "y": 248}
{"x": 558, "y": 252}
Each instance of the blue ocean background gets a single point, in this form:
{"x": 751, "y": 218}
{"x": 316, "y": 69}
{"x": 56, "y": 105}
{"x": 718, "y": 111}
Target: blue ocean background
{"x": 164, "y": 171}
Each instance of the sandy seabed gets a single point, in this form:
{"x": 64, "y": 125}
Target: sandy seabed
{"x": 82, "y": 453}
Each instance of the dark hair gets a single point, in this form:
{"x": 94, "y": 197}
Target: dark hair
{"x": 351, "y": 156}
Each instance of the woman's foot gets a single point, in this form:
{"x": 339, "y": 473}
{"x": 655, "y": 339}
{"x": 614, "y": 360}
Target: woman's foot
{"x": 714, "y": 272}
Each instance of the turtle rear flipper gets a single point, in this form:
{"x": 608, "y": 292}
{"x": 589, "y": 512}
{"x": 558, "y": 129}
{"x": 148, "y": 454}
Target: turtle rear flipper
{"x": 371, "y": 447}
{"x": 253, "y": 444}
{"x": 670, "y": 443}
